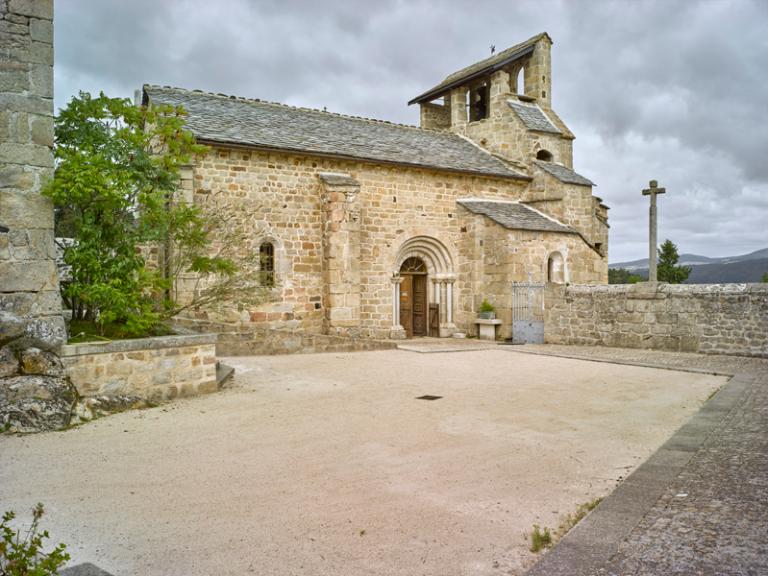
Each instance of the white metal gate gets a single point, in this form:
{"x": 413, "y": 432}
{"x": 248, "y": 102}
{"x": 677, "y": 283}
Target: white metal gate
{"x": 527, "y": 313}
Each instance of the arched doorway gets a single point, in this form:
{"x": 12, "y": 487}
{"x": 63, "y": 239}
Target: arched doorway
{"x": 413, "y": 297}
{"x": 423, "y": 270}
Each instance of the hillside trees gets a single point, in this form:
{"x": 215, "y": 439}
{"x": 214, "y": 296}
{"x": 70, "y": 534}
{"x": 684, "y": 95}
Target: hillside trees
{"x": 668, "y": 270}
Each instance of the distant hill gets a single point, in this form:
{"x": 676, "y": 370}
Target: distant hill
{"x": 705, "y": 270}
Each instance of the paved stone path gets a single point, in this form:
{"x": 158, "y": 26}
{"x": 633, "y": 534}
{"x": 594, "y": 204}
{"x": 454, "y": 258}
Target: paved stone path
{"x": 697, "y": 506}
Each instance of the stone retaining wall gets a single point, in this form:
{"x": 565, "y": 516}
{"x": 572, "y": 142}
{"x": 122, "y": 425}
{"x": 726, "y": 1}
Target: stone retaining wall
{"x": 708, "y": 318}
{"x": 152, "y": 368}
{"x": 286, "y": 342}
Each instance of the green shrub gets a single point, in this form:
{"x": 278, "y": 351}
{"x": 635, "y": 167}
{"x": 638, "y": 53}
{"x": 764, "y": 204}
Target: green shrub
{"x": 486, "y": 306}
{"x": 540, "y": 538}
{"x": 21, "y": 552}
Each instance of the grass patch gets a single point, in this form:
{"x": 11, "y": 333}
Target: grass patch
{"x": 571, "y": 520}
{"x": 543, "y": 538}
{"x": 540, "y": 538}
{"x": 85, "y": 331}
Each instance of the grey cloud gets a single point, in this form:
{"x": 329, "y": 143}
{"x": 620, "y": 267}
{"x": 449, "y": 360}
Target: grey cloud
{"x": 661, "y": 89}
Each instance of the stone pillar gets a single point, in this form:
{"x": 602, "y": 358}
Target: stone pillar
{"x": 444, "y": 287}
{"x": 458, "y": 104}
{"x": 31, "y": 324}
{"x": 341, "y": 254}
{"x": 538, "y": 72}
{"x": 396, "y": 332}
{"x": 449, "y": 301}
{"x": 499, "y": 93}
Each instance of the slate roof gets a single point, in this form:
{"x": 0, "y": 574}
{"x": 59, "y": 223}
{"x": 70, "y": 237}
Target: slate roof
{"x": 564, "y": 174}
{"x": 481, "y": 68}
{"x": 515, "y": 216}
{"x": 230, "y": 120}
{"x": 533, "y": 117}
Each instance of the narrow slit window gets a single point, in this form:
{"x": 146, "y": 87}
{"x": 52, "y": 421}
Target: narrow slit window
{"x": 267, "y": 264}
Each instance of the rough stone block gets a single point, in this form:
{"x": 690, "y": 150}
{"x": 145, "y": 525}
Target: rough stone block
{"x": 34, "y": 8}
{"x": 9, "y": 363}
{"x": 41, "y": 80}
{"x": 15, "y": 176}
{"x": 16, "y": 81}
{"x": 29, "y": 154}
{"x": 42, "y": 130}
{"x": 30, "y": 276}
{"x": 40, "y": 362}
{"x": 31, "y": 303}
{"x": 25, "y": 210}
{"x": 26, "y": 103}
{"x": 46, "y": 333}
{"x": 41, "y": 30}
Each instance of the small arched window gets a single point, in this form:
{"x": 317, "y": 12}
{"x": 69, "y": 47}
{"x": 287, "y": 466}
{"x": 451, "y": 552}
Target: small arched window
{"x": 556, "y": 268}
{"x": 520, "y": 81}
{"x": 544, "y": 155}
{"x": 267, "y": 264}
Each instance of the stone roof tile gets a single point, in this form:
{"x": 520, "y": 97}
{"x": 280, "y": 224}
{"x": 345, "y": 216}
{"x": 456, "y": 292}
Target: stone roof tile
{"x": 533, "y": 117}
{"x": 515, "y": 216}
{"x": 564, "y": 174}
{"x": 231, "y": 120}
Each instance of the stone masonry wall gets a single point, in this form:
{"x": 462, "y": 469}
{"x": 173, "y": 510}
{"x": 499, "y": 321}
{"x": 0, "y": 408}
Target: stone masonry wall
{"x": 34, "y": 394}
{"x": 152, "y": 368}
{"x": 270, "y": 342}
{"x": 281, "y": 196}
{"x": 501, "y": 256}
{"x": 709, "y": 318}
{"x": 28, "y": 277}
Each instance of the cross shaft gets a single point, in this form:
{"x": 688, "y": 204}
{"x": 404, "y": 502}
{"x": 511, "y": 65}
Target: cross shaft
{"x": 652, "y": 191}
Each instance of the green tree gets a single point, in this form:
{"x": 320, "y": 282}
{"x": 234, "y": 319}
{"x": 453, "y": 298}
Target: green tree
{"x": 765, "y": 278}
{"x": 668, "y": 270}
{"x": 115, "y": 191}
{"x": 622, "y": 276}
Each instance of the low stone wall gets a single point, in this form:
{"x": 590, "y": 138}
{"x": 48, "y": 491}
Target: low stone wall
{"x": 286, "y": 342}
{"x": 153, "y": 368}
{"x": 708, "y": 318}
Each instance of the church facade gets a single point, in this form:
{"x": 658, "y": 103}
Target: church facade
{"x": 373, "y": 229}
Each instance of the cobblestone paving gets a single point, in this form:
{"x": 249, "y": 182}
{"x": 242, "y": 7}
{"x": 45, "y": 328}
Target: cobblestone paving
{"x": 712, "y": 516}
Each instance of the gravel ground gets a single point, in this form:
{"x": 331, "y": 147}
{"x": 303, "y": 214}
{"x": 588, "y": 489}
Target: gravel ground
{"x": 327, "y": 464}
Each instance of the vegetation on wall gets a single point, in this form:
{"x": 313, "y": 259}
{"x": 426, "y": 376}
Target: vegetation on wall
{"x": 115, "y": 190}
{"x": 623, "y": 276}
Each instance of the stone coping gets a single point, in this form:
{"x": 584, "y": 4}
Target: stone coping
{"x": 647, "y": 287}
{"x": 488, "y": 321}
{"x": 154, "y": 343}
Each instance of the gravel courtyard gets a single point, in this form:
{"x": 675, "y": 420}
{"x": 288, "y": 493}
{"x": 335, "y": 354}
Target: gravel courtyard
{"x": 328, "y": 464}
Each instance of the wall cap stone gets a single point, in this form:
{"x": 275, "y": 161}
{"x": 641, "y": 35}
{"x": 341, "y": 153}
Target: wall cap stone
{"x": 175, "y": 341}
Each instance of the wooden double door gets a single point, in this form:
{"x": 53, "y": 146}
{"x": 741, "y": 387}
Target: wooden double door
{"x": 413, "y": 304}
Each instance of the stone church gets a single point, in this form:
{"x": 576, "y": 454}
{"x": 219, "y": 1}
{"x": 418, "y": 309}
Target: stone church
{"x": 373, "y": 229}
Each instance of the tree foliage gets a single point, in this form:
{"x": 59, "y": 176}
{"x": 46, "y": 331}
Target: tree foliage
{"x": 115, "y": 192}
{"x": 668, "y": 270}
{"x": 764, "y": 278}
{"x": 623, "y": 276}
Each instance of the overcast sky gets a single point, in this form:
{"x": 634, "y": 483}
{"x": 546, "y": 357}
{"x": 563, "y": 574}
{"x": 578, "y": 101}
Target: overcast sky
{"x": 676, "y": 91}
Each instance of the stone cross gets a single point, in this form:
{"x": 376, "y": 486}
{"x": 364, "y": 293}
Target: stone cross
{"x": 652, "y": 191}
